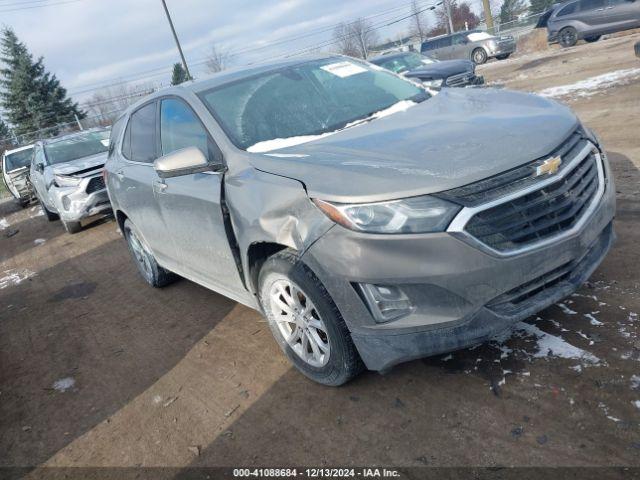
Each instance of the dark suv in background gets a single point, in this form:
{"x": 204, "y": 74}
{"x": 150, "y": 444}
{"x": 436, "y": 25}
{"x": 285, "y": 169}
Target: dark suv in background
{"x": 588, "y": 20}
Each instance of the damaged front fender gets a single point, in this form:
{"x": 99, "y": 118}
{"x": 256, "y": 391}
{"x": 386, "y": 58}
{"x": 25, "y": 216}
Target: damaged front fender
{"x": 271, "y": 209}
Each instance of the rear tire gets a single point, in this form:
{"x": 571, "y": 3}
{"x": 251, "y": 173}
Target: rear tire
{"x": 72, "y": 227}
{"x": 592, "y": 39}
{"x": 479, "y": 56}
{"x": 568, "y": 37}
{"x": 153, "y": 274}
{"x": 306, "y": 322}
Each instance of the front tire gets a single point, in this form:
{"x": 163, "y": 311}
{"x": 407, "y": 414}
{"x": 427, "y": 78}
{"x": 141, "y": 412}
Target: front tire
{"x": 479, "y": 56}
{"x": 568, "y": 37}
{"x": 72, "y": 227}
{"x": 52, "y": 217}
{"x": 306, "y": 322}
{"x": 153, "y": 274}
{"x": 503, "y": 57}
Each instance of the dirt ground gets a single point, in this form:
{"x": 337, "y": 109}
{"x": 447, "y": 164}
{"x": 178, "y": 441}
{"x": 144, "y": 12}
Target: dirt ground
{"x": 97, "y": 369}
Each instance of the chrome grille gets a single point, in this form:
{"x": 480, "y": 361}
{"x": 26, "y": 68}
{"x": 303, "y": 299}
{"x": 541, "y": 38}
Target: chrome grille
{"x": 95, "y": 184}
{"x": 459, "y": 79}
{"x": 539, "y": 214}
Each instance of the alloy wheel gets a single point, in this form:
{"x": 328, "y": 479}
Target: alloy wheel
{"x": 299, "y": 323}
{"x": 140, "y": 254}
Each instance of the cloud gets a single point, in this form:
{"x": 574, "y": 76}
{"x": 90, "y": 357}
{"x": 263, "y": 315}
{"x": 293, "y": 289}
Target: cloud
{"x": 94, "y": 41}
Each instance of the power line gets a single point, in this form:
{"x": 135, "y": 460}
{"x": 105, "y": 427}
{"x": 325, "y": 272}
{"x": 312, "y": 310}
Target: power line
{"x": 38, "y": 6}
{"x": 203, "y": 60}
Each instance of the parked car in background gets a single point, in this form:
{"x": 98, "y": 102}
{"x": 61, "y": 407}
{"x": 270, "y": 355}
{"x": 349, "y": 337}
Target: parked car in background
{"x": 66, "y": 174}
{"x": 371, "y": 222}
{"x": 15, "y": 173}
{"x": 588, "y": 20}
{"x": 431, "y": 72}
{"x": 475, "y": 45}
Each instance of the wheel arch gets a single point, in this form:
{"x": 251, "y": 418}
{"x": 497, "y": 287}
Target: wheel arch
{"x": 257, "y": 254}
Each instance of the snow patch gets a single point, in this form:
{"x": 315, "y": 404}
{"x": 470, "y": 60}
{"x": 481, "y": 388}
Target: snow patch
{"x": 593, "y": 320}
{"x": 39, "y": 241}
{"x": 636, "y": 403}
{"x": 64, "y": 384}
{"x": 278, "y": 143}
{"x": 14, "y": 277}
{"x": 3, "y": 223}
{"x": 592, "y": 85}
{"x": 550, "y": 345}
{"x": 635, "y": 382}
{"x": 566, "y": 309}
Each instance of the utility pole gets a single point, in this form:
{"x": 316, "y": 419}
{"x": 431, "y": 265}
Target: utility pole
{"x": 487, "y": 16}
{"x": 78, "y": 122}
{"x": 447, "y": 8}
{"x": 175, "y": 37}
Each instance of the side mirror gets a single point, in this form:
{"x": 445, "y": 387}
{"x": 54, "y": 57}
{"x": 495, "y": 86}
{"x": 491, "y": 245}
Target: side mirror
{"x": 40, "y": 167}
{"x": 186, "y": 161}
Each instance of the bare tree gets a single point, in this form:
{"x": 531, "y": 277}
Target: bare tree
{"x": 418, "y": 21}
{"x": 104, "y": 106}
{"x": 218, "y": 59}
{"x": 365, "y": 36}
{"x": 345, "y": 43}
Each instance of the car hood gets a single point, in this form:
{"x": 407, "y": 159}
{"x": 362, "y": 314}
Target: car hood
{"x": 80, "y": 165}
{"x": 457, "y": 137}
{"x": 441, "y": 69}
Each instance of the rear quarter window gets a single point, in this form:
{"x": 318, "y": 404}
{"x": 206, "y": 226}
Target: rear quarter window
{"x": 567, "y": 10}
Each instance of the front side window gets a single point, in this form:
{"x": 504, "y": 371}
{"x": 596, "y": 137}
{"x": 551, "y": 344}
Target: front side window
{"x": 567, "y": 10}
{"x": 305, "y": 99}
{"x": 76, "y": 146}
{"x": 180, "y": 128}
{"x": 591, "y": 4}
{"x": 16, "y": 160}
{"x": 140, "y": 138}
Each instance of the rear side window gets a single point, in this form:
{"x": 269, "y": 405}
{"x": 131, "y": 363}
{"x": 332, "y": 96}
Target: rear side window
{"x": 181, "y": 128}
{"x": 568, "y": 10}
{"x": 591, "y": 4}
{"x": 116, "y": 130}
{"x": 140, "y": 138}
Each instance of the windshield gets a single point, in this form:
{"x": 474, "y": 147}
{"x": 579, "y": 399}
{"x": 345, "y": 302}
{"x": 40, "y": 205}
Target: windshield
{"x": 77, "y": 146}
{"x": 404, "y": 63}
{"x": 19, "y": 159}
{"x": 307, "y": 99}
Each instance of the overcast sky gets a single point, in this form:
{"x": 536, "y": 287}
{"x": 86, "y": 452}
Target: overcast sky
{"x": 90, "y": 42}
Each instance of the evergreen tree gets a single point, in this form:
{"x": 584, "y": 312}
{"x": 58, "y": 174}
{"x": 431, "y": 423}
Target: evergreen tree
{"x": 179, "y": 74}
{"x": 5, "y": 135}
{"x": 510, "y": 10}
{"x": 32, "y": 98}
{"x": 539, "y": 6}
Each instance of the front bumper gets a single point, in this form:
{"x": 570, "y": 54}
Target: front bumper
{"x": 74, "y": 203}
{"x": 454, "y": 286}
{"x": 503, "y": 48}
{"x": 18, "y": 184}
{"x": 466, "y": 79}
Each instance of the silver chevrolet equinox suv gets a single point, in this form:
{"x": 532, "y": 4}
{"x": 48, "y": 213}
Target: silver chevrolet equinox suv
{"x": 370, "y": 220}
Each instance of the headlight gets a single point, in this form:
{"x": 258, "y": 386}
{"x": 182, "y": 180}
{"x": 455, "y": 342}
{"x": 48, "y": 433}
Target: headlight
{"x": 410, "y": 215}
{"x": 66, "y": 181}
{"x": 432, "y": 83}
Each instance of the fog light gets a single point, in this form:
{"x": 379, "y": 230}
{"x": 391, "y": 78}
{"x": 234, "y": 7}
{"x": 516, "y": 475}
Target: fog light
{"x": 66, "y": 202}
{"x": 386, "y": 302}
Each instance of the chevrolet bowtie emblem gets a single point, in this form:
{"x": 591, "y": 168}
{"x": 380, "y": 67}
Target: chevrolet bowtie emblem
{"x": 550, "y": 166}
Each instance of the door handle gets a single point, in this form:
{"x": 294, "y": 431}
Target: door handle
{"x": 159, "y": 187}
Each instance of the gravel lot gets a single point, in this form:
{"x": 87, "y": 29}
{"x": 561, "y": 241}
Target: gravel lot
{"x": 97, "y": 369}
